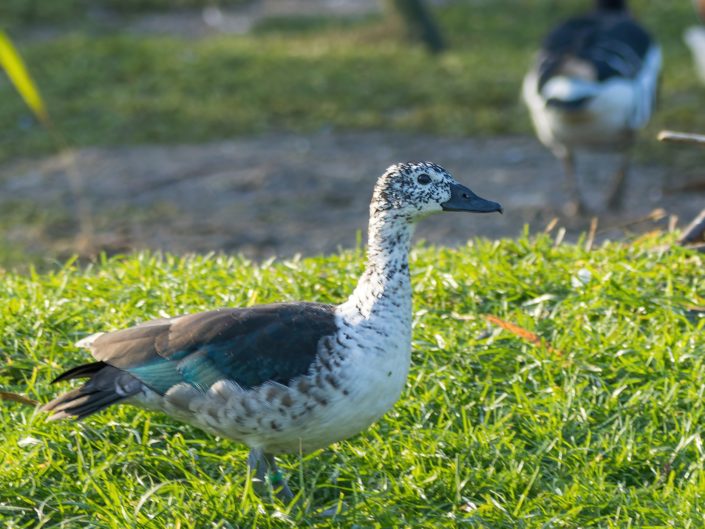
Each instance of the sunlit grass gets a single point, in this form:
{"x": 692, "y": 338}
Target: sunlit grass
{"x": 603, "y": 431}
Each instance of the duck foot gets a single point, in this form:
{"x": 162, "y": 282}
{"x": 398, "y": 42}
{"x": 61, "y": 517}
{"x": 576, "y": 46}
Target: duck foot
{"x": 268, "y": 478}
{"x": 267, "y": 475}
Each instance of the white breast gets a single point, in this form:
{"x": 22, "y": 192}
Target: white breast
{"x": 372, "y": 375}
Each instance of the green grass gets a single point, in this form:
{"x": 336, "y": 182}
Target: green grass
{"x": 491, "y": 431}
{"x": 22, "y": 14}
{"x": 107, "y": 87}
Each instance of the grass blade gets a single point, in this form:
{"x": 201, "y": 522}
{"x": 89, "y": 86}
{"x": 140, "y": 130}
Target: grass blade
{"x": 13, "y": 64}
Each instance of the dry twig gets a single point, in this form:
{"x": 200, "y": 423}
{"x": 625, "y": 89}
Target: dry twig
{"x": 14, "y": 397}
{"x": 591, "y": 234}
{"x": 681, "y": 137}
{"x": 694, "y": 232}
{"x": 523, "y": 333}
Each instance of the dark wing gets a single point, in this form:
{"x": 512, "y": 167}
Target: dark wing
{"x": 606, "y": 46}
{"x": 106, "y": 385}
{"x": 250, "y": 346}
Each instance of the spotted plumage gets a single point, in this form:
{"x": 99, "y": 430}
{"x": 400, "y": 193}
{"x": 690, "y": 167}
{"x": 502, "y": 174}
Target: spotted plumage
{"x": 285, "y": 377}
{"x": 593, "y": 86}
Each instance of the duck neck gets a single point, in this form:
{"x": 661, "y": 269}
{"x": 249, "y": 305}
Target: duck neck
{"x": 385, "y": 286}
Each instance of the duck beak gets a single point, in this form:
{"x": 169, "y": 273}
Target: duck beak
{"x": 462, "y": 199}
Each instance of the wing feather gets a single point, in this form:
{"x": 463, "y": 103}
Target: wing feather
{"x": 604, "y": 47}
{"x": 249, "y": 346}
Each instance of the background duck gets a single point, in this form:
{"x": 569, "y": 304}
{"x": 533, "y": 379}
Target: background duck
{"x": 593, "y": 86}
{"x": 285, "y": 377}
{"x": 694, "y": 37}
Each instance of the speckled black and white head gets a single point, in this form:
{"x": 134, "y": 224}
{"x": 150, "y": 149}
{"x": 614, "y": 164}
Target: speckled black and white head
{"x": 415, "y": 189}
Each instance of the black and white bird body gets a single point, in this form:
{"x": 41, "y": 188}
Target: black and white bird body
{"x": 593, "y": 86}
{"x": 694, "y": 38}
{"x": 286, "y": 377}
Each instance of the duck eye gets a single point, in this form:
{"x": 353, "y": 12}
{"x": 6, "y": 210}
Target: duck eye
{"x": 423, "y": 179}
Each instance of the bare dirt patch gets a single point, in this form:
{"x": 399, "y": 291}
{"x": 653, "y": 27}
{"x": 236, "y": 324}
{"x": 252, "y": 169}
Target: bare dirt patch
{"x": 285, "y": 194}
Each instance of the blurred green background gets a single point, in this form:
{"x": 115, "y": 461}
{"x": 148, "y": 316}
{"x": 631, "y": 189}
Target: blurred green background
{"x": 121, "y": 73}
{"x": 107, "y": 83}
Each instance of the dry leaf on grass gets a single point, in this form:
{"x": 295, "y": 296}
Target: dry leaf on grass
{"x": 523, "y": 333}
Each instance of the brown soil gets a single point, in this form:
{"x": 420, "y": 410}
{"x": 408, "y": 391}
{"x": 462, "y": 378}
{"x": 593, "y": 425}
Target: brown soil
{"x": 285, "y": 194}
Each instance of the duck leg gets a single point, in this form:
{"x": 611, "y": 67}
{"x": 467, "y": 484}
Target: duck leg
{"x": 576, "y": 206}
{"x": 277, "y": 481}
{"x": 616, "y": 194}
{"x": 263, "y": 467}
